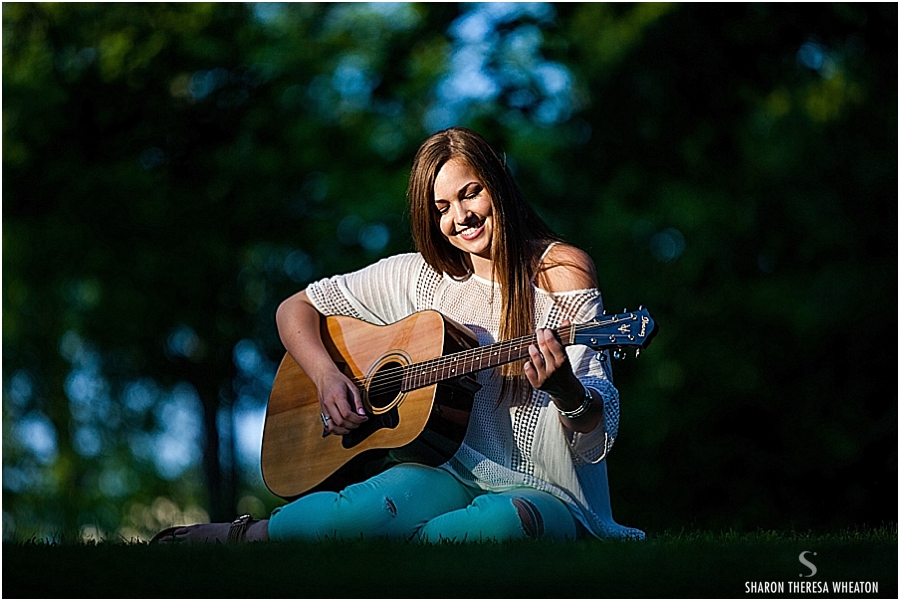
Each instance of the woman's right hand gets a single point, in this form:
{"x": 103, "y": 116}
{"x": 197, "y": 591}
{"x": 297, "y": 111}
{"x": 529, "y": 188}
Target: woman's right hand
{"x": 339, "y": 399}
{"x": 341, "y": 403}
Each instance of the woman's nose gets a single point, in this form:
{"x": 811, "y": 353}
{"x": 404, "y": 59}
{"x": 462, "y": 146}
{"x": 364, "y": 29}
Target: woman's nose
{"x": 460, "y": 213}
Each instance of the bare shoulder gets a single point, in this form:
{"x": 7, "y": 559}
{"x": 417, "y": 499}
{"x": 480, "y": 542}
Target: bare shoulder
{"x": 565, "y": 268}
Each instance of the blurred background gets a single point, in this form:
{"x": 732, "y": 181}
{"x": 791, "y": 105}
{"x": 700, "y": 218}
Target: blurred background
{"x": 171, "y": 172}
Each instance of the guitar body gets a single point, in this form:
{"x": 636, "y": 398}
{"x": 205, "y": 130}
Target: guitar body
{"x": 425, "y": 424}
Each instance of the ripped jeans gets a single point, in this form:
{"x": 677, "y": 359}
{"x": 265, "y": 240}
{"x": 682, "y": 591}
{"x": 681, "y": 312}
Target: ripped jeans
{"x": 415, "y": 502}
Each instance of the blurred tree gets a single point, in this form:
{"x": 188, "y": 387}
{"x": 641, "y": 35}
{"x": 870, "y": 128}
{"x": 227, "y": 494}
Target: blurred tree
{"x": 170, "y": 176}
{"x": 172, "y": 172}
{"x": 741, "y": 175}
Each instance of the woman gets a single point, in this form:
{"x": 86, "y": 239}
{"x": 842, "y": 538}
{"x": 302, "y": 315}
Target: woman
{"x": 532, "y": 461}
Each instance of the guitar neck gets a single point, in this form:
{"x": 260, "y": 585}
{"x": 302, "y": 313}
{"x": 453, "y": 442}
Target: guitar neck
{"x": 426, "y": 373}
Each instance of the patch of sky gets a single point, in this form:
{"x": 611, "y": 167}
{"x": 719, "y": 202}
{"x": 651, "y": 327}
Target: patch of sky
{"x": 140, "y": 395}
{"x": 474, "y": 27}
{"x": 205, "y": 82}
{"x": 182, "y": 342}
{"x": 354, "y": 81}
{"x": 76, "y": 351}
{"x": 177, "y": 445}
{"x": 87, "y": 440}
{"x": 256, "y": 373}
{"x": 552, "y": 111}
{"x": 469, "y": 80}
{"x": 226, "y": 429}
{"x": 141, "y": 445}
{"x": 267, "y": 13}
{"x": 554, "y": 78}
{"x": 249, "y": 418}
{"x": 520, "y": 50}
{"x": 20, "y": 478}
{"x": 483, "y": 19}
{"x": 20, "y": 388}
{"x": 816, "y": 57}
{"x": 247, "y": 357}
{"x": 486, "y": 61}
{"x": 88, "y": 394}
{"x": 36, "y": 433}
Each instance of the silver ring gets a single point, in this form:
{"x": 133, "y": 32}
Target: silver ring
{"x": 325, "y": 419}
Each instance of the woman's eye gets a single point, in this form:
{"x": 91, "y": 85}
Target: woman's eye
{"x": 443, "y": 208}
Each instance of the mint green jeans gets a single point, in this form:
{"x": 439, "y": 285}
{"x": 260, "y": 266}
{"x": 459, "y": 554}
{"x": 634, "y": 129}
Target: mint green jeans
{"x": 415, "y": 502}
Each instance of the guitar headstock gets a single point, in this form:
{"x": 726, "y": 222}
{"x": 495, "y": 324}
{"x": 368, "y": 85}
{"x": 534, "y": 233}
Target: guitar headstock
{"x": 630, "y": 329}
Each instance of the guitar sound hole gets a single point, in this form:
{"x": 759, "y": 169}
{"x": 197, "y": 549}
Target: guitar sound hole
{"x": 385, "y": 385}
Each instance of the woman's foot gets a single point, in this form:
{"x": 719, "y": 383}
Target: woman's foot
{"x": 237, "y": 531}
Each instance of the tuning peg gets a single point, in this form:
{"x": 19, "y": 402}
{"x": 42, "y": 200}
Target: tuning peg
{"x": 619, "y": 354}
{"x": 601, "y": 356}
{"x": 637, "y": 353}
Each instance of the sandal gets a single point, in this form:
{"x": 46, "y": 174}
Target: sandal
{"x": 236, "y": 531}
{"x": 239, "y": 527}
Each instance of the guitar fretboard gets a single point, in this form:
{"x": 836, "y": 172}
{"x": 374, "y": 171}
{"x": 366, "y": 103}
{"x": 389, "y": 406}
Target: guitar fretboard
{"x": 426, "y": 373}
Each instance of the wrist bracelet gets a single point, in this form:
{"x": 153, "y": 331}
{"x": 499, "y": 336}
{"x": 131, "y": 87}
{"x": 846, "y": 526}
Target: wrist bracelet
{"x": 576, "y": 413}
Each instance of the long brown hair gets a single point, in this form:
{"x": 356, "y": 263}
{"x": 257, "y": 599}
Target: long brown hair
{"x": 519, "y": 234}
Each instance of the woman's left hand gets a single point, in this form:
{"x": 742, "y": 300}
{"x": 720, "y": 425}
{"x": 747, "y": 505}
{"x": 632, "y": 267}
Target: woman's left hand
{"x": 548, "y": 368}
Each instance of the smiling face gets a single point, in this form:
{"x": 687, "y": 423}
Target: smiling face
{"x": 465, "y": 212}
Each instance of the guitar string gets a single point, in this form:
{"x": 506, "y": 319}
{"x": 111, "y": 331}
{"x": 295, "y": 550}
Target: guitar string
{"x": 389, "y": 379}
{"x": 431, "y": 367}
{"x": 424, "y": 370}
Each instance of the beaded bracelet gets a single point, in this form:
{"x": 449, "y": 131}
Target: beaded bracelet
{"x": 585, "y": 405}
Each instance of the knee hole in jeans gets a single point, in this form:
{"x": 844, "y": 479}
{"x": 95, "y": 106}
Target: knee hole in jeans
{"x": 390, "y": 507}
{"x": 532, "y": 521}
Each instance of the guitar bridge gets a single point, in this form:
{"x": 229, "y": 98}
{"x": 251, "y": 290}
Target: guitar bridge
{"x": 389, "y": 419}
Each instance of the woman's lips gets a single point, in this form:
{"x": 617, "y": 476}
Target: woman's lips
{"x": 470, "y": 233}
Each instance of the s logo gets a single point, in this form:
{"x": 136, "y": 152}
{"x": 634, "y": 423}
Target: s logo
{"x": 808, "y": 564}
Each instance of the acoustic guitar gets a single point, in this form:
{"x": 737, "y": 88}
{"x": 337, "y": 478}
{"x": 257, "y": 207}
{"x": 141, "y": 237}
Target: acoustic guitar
{"x": 417, "y": 386}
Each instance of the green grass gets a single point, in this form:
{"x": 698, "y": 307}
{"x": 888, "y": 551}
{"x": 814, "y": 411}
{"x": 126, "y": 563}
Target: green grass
{"x": 684, "y": 564}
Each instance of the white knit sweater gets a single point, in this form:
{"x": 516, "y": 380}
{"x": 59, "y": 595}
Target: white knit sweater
{"x": 521, "y": 443}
